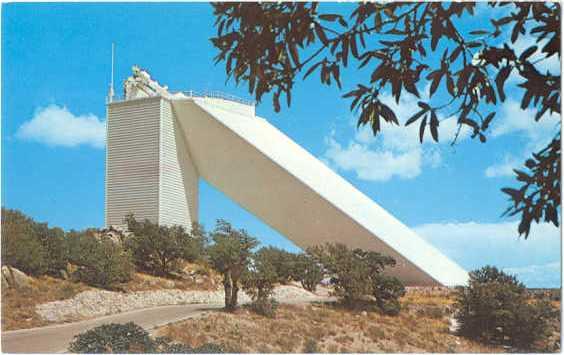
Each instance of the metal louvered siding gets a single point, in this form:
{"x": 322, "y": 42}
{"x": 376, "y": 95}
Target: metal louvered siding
{"x": 173, "y": 202}
{"x": 132, "y": 161}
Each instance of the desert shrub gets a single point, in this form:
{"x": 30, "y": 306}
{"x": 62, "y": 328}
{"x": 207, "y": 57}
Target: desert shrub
{"x": 32, "y": 247}
{"x": 264, "y": 307}
{"x": 387, "y": 290}
{"x": 390, "y": 307}
{"x": 158, "y": 249}
{"x": 310, "y": 346}
{"x": 495, "y": 308}
{"x": 308, "y": 272}
{"x": 131, "y": 338}
{"x": 230, "y": 254}
{"x": 211, "y": 348}
{"x": 100, "y": 263}
{"x": 258, "y": 281}
{"x": 20, "y": 247}
{"x": 283, "y": 262}
{"x": 113, "y": 338}
{"x": 352, "y": 271}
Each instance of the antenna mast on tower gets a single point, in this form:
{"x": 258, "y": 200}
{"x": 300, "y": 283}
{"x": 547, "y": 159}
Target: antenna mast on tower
{"x": 111, "y": 91}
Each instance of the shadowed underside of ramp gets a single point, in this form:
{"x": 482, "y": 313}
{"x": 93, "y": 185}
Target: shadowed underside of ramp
{"x": 262, "y": 170}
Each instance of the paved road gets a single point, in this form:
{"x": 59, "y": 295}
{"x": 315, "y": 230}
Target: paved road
{"x": 53, "y": 339}
{"x": 56, "y": 338}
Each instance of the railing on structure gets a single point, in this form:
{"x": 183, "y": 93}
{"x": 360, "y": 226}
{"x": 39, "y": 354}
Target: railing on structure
{"x": 219, "y": 95}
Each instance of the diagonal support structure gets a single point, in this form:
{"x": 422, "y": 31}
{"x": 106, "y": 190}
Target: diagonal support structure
{"x": 160, "y": 144}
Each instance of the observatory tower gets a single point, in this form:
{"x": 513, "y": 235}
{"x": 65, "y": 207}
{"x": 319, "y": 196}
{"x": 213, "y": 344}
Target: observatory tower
{"x": 160, "y": 143}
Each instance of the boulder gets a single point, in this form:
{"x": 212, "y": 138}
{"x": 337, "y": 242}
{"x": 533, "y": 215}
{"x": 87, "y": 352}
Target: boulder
{"x": 12, "y": 277}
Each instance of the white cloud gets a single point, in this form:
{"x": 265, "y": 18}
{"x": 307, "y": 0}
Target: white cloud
{"x": 474, "y": 245}
{"x": 57, "y": 126}
{"x": 545, "y": 275}
{"x": 513, "y": 120}
{"x": 395, "y": 151}
{"x": 505, "y": 168}
{"x": 374, "y": 165}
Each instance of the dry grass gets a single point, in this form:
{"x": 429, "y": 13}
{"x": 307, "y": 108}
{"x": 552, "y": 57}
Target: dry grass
{"x": 18, "y": 305}
{"x": 331, "y": 328}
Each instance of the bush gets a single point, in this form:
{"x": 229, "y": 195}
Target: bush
{"x": 113, "y": 338}
{"x": 495, "y": 308}
{"x": 387, "y": 290}
{"x": 158, "y": 249}
{"x": 283, "y": 263}
{"x": 100, "y": 263}
{"x": 308, "y": 272}
{"x": 311, "y": 347}
{"x": 131, "y": 338}
{"x": 32, "y": 247}
{"x": 390, "y": 307}
{"x": 258, "y": 281}
{"x": 353, "y": 272}
{"x": 264, "y": 307}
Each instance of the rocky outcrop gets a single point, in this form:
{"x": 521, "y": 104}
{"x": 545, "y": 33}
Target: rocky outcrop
{"x": 95, "y": 303}
{"x": 14, "y": 278}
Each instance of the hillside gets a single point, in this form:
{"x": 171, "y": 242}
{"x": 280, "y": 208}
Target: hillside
{"x": 422, "y": 326}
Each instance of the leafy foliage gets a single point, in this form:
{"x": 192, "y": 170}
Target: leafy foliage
{"x": 496, "y": 308}
{"x": 404, "y": 45}
{"x": 113, "y": 338}
{"x": 100, "y": 263}
{"x": 308, "y": 271}
{"x": 131, "y": 338}
{"x": 258, "y": 281}
{"x": 32, "y": 247}
{"x": 158, "y": 249}
{"x": 540, "y": 191}
{"x": 387, "y": 291}
{"x": 230, "y": 254}
{"x": 356, "y": 274}
{"x": 282, "y": 262}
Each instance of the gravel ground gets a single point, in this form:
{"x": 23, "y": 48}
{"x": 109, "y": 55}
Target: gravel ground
{"x": 95, "y": 303}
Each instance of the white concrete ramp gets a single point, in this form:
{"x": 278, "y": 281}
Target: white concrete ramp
{"x": 266, "y": 173}
{"x": 278, "y": 181}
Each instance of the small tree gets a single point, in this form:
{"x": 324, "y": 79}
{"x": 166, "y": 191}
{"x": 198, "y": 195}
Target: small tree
{"x": 283, "y": 262}
{"x": 352, "y": 270}
{"x": 100, "y": 263}
{"x": 308, "y": 272}
{"x": 20, "y": 248}
{"x": 230, "y": 255}
{"x": 496, "y": 308}
{"x": 54, "y": 243}
{"x": 32, "y": 247}
{"x": 258, "y": 281}
{"x": 158, "y": 249}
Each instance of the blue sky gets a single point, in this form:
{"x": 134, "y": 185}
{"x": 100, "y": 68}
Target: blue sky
{"x": 56, "y": 69}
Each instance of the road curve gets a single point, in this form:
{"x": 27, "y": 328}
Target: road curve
{"x": 56, "y": 338}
